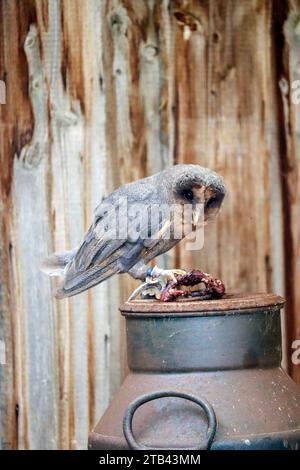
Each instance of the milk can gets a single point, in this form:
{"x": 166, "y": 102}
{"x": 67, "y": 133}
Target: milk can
{"x": 203, "y": 375}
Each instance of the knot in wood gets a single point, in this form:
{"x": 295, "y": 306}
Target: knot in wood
{"x": 150, "y": 51}
{"x": 119, "y": 23}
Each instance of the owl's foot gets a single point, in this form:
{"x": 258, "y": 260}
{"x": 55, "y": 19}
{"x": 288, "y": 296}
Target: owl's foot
{"x": 156, "y": 280}
{"x": 163, "y": 276}
{"x": 168, "y": 284}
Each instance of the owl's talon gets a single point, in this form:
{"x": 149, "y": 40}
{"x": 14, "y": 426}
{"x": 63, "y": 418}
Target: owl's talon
{"x": 164, "y": 276}
{"x": 150, "y": 288}
{"x": 155, "y": 282}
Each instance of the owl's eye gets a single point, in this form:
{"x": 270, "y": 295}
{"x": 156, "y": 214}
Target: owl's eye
{"x": 188, "y": 194}
{"x": 211, "y": 203}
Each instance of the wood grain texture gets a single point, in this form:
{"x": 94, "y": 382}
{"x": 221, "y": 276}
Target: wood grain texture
{"x": 289, "y": 74}
{"x": 225, "y": 107}
{"x": 102, "y": 92}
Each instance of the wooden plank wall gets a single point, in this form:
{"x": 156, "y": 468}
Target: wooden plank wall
{"x": 101, "y": 92}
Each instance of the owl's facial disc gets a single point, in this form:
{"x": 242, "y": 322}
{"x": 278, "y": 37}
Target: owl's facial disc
{"x": 213, "y": 202}
{"x": 208, "y": 200}
{"x": 205, "y": 200}
{"x": 195, "y": 196}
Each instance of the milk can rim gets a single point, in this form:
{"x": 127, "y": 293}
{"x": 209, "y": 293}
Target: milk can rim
{"x": 229, "y": 304}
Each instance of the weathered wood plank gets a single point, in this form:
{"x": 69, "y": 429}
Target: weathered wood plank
{"x": 16, "y": 130}
{"x": 224, "y": 107}
{"x": 290, "y": 73}
{"x": 63, "y": 350}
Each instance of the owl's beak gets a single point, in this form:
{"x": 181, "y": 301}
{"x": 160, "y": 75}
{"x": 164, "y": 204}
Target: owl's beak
{"x": 196, "y": 214}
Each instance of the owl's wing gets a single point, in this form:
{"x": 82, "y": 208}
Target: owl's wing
{"x": 116, "y": 241}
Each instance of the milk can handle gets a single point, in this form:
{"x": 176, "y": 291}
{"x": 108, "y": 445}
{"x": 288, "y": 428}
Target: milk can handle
{"x": 132, "y": 407}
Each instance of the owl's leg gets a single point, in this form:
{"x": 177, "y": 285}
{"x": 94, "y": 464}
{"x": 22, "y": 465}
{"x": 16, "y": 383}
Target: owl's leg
{"x": 155, "y": 279}
{"x": 149, "y": 287}
{"x": 164, "y": 275}
{"x": 139, "y": 271}
{"x": 143, "y": 272}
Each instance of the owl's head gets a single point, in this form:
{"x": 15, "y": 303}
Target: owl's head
{"x": 204, "y": 189}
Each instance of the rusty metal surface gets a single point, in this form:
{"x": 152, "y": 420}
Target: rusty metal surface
{"x": 251, "y": 406}
{"x": 231, "y": 358}
{"x": 142, "y": 399}
{"x": 228, "y": 303}
{"x": 204, "y": 343}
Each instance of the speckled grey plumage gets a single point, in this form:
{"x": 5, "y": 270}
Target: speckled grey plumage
{"x": 99, "y": 258}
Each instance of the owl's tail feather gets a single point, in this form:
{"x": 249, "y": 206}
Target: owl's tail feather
{"x": 86, "y": 280}
{"x": 56, "y": 264}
